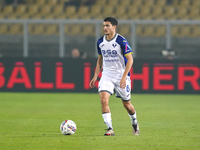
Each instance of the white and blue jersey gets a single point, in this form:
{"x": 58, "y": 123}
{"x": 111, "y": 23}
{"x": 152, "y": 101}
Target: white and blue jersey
{"x": 113, "y": 53}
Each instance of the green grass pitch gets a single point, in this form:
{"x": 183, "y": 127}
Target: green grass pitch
{"x": 31, "y": 121}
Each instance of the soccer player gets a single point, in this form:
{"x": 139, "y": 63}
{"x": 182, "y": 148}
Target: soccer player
{"x": 115, "y": 57}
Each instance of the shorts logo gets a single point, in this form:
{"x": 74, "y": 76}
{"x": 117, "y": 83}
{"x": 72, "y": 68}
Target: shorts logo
{"x": 127, "y": 88}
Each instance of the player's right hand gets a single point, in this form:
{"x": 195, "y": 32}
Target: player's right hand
{"x": 92, "y": 82}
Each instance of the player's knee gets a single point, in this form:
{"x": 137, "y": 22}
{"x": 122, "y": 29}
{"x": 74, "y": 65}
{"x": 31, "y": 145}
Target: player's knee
{"x": 104, "y": 101}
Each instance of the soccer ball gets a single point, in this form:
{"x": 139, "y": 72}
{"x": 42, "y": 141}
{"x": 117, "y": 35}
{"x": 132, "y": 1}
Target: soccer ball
{"x": 68, "y": 127}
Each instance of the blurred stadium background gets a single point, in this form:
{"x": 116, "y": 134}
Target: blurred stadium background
{"x": 52, "y": 28}
{"x": 36, "y": 39}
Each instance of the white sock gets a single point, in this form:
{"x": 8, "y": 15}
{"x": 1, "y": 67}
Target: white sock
{"x": 133, "y": 118}
{"x": 107, "y": 119}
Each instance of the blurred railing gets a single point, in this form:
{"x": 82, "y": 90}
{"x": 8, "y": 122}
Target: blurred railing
{"x": 98, "y": 27}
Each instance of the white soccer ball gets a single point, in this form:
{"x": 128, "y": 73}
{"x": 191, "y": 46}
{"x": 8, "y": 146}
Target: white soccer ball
{"x": 68, "y": 127}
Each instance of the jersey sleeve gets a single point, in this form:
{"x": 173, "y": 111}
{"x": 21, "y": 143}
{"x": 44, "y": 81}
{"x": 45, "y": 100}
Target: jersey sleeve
{"x": 98, "y": 49}
{"x": 98, "y": 45}
{"x": 126, "y": 49}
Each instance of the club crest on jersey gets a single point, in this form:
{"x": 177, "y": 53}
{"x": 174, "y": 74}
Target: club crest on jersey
{"x": 114, "y": 45}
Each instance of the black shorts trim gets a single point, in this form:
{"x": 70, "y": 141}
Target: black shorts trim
{"x": 105, "y": 91}
{"x": 122, "y": 99}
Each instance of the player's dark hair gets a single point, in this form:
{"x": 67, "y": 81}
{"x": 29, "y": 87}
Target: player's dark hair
{"x": 112, "y": 20}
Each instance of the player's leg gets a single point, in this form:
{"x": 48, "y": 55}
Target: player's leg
{"x": 125, "y": 95}
{"x": 104, "y": 96}
{"x": 105, "y": 90}
{"x": 106, "y": 114}
{"x": 132, "y": 114}
{"x": 130, "y": 109}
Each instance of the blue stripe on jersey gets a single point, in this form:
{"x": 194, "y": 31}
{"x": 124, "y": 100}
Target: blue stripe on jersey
{"x": 125, "y": 48}
{"x": 124, "y": 45}
{"x": 98, "y": 45}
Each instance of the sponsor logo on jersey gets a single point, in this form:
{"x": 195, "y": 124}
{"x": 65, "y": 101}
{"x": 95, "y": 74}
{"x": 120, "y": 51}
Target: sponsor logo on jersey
{"x": 127, "y": 48}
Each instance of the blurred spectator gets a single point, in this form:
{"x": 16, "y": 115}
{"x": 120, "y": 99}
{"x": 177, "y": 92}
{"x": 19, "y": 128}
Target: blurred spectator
{"x": 75, "y": 53}
{"x": 169, "y": 54}
{"x": 83, "y": 55}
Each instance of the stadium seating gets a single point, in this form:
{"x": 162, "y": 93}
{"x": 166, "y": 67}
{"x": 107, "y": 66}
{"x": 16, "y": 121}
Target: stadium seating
{"x": 160, "y": 31}
{"x": 81, "y": 12}
{"x": 94, "y": 11}
{"x": 194, "y": 12}
{"x": 88, "y": 29}
{"x": 161, "y": 3}
{"x": 195, "y": 31}
{"x": 157, "y": 12}
{"x": 52, "y": 2}
{"x": 125, "y": 3}
{"x": 52, "y": 29}
{"x": 149, "y": 3}
{"x": 185, "y": 3}
{"x": 32, "y": 10}
{"x": 137, "y": 2}
{"x": 196, "y": 3}
{"x": 169, "y": 12}
{"x": 185, "y": 31}
{"x": 124, "y": 30}
{"x": 15, "y": 29}
{"x": 37, "y": 29}
{"x": 113, "y": 2}
{"x": 3, "y": 28}
{"x": 181, "y": 12}
{"x": 69, "y": 12}
{"x": 175, "y": 30}
{"x": 101, "y": 2}
{"x": 6, "y": 11}
{"x": 21, "y": 9}
{"x": 144, "y": 11}
{"x": 133, "y": 12}
{"x": 121, "y": 9}
{"x": 74, "y": 30}
{"x": 45, "y": 10}
{"x": 40, "y": 2}
{"x": 107, "y": 11}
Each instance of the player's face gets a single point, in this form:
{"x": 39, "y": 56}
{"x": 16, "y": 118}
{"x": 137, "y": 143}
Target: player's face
{"x": 108, "y": 28}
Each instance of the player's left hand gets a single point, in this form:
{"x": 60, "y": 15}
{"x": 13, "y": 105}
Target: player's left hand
{"x": 122, "y": 83}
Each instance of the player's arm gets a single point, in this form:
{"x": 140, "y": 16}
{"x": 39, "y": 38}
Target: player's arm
{"x": 97, "y": 71}
{"x": 127, "y": 69}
